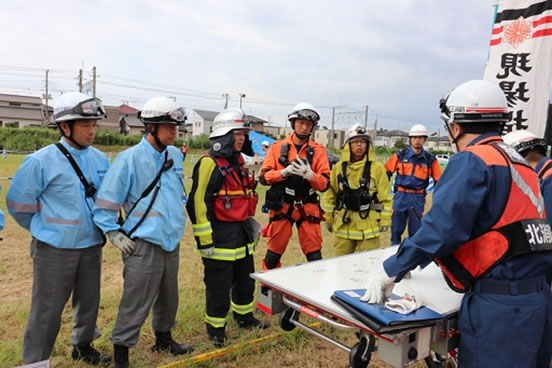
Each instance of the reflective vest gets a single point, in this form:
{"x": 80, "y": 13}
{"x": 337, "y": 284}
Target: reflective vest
{"x": 522, "y": 227}
{"x": 294, "y": 188}
{"x": 236, "y": 199}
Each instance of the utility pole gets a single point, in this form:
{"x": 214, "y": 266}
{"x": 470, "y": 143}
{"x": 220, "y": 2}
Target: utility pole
{"x": 331, "y": 140}
{"x": 225, "y": 95}
{"x": 80, "y": 80}
{"x": 94, "y": 81}
{"x": 375, "y": 131}
{"x": 47, "y": 97}
{"x": 366, "y": 118}
{"x": 242, "y": 95}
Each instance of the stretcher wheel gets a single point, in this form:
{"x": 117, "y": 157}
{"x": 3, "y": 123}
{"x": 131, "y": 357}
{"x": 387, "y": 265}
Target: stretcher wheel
{"x": 360, "y": 354}
{"x": 285, "y": 323}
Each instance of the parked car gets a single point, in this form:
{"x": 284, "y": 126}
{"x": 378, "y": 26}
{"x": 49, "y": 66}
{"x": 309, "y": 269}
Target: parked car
{"x": 443, "y": 158}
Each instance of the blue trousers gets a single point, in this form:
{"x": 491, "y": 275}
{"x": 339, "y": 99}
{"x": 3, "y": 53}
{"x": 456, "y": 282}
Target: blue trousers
{"x": 506, "y": 330}
{"x": 403, "y": 205}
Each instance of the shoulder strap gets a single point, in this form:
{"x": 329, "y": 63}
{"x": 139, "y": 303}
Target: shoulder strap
{"x": 366, "y": 174}
{"x": 544, "y": 169}
{"x": 310, "y": 154}
{"x": 89, "y": 189}
{"x": 284, "y": 150}
{"x": 167, "y": 164}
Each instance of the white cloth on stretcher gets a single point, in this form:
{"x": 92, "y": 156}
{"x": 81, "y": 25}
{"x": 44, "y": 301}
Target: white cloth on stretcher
{"x": 405, "y": 305}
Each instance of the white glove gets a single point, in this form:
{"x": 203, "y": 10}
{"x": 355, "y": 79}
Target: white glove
{"x": 383, "y": 229}
{"x": 207, "y": 251}
{"x": 302, "y": 168}
{"x": 379, "y": 287}
{"x": 287, "y": 171}
{"x": 121, "y": 241}
{"x": 329, "y": 227}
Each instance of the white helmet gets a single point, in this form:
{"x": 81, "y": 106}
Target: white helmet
{"x": 265, "y": 144}
{"x": 304, "y": 110}
{"x": 524, "y": 140}
{"x": 78, "y": 106}
{"x": 418, "y": 130}
{"x": 162, "y": 110}
{"x": 228, "y": 120}
{"x": 476, "y": 101}
{"x": 357, "y": 131}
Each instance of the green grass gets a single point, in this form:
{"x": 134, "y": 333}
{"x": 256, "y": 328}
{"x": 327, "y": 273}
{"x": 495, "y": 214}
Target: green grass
{"x": 294, "y": 349}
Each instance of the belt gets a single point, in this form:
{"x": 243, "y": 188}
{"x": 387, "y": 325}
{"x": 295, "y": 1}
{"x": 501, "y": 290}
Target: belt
{"x": 406, "y": 190}
{"x": 506, "y": 287}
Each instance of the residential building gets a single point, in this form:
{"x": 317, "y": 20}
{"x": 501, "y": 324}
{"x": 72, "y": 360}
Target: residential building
{"x": 202, "y": 121}
{"x": 324, "y": 137}
{"x": 115, "y": 117}
{"x": 21, "y": 111}
{"x": 388, "y": 138}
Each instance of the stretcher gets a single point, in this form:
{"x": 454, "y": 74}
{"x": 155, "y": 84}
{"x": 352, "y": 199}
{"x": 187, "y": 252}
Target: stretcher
{"x": 308, "y": 290}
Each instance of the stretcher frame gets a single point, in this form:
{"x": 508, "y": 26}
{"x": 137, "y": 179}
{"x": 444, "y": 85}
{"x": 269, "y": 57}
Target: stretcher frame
{"x": 399, "y": 345}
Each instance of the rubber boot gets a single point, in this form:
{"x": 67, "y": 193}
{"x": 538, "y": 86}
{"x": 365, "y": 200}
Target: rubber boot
{"x": 89, "y": 355}
{"x": 165, "y": 342}
{"x": 248, "y": 321}
{"x": 217, "y": 336}
{"x": 120, "y": 354}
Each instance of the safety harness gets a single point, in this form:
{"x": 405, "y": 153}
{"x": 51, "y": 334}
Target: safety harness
{"x": 358, "y": 200}
{"x": 295, "y": 190}
{"x": 521, "y": 229}
{"x": 236, "y": 200}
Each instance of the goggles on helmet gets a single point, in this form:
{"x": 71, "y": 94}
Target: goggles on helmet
{"x": 178, "y": 116}
{"x": 305, "y": 114}
{"x": 90, "y": 107}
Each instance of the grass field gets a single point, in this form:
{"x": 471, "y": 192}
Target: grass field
{"x": 293, "y": 349}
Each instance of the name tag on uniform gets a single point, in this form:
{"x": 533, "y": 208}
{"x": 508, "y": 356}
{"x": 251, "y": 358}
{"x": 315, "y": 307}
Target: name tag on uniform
{"x": 539, "y": 234}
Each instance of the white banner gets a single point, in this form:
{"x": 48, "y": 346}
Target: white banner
{"x": 520, "y": 60}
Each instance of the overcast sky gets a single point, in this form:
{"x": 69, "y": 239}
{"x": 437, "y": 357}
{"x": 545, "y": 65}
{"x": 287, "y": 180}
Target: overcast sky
{"x": 399, "y": 57}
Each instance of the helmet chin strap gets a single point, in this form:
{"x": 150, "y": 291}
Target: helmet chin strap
{"x": 70, "y": 137}
{"x": 454, "y": 139}
{"x": 302, "y": 136}
{"x": 155, "y": 137}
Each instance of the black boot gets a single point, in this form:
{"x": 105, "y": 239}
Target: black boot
{"x": 165, "y": 342}
{"x": 120, "y": 353}
{"x": 217, "y": 336}
{"x": 88, "y": 354}
{"x": 248, "y": 321}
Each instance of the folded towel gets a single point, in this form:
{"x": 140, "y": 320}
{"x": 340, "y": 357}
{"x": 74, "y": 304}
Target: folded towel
{"x": 407, "y": 304}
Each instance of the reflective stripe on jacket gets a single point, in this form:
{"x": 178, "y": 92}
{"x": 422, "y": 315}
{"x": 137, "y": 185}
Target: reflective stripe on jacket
{"x": 231, "y": 239}
{"x": 358, "y": 228}
{"x": 131, "y": 173}
{"x": 413, "y": 171}
{"x": 521, "y": 228}
{"x": 47, "y": 198}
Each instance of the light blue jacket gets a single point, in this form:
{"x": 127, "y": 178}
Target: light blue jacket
{"x": 1, "y": 220}
{"x": 131, "y": 173}
{"x": 47, "y": 198}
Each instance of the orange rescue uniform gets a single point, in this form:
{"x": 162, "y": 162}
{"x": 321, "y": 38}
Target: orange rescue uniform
{"x": 306, "y": 212}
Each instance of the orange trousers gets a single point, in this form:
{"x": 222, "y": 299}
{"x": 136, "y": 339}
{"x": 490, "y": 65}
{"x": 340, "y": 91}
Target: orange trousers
{"x": 279, "y": 232}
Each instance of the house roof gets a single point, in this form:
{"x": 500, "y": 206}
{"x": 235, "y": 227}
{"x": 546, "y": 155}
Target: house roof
{"x": 132, "y": 121}
{"x": 255, "y": 119}
{"x": 21, "y": 99}
{"x": 206, "y": 114}
{"x": 392, "y": 133}
{"x": 128, "y": 110}
{"x": 22, "y": 113}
